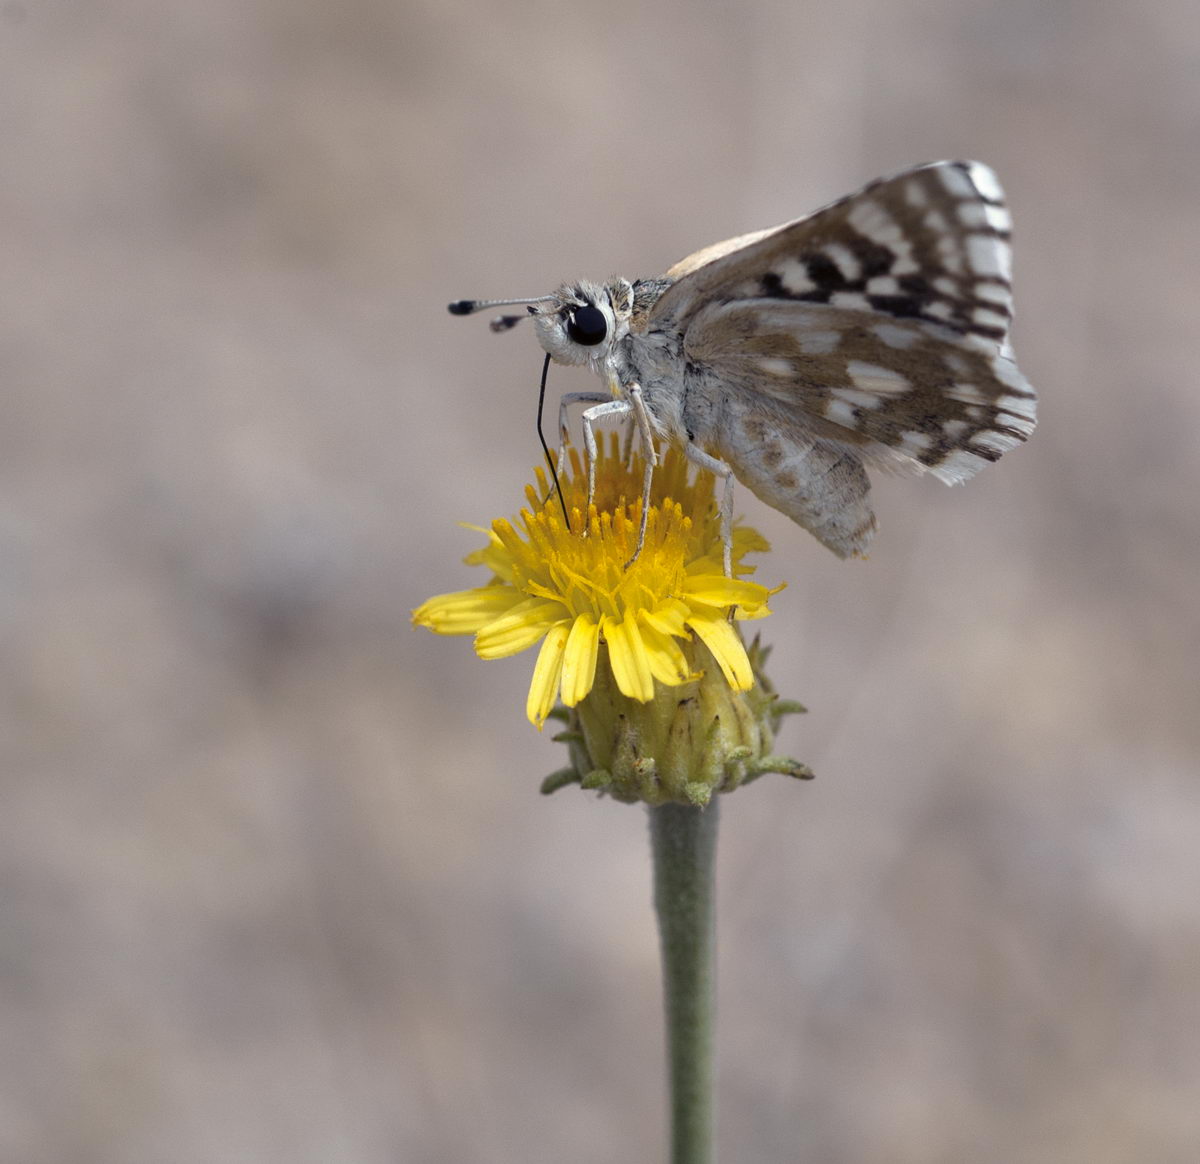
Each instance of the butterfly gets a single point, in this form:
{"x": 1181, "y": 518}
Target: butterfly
{"x": 873, "y": 332}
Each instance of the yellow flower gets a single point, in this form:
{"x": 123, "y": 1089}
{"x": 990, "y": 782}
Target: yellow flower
{"x": 578, "y": 595}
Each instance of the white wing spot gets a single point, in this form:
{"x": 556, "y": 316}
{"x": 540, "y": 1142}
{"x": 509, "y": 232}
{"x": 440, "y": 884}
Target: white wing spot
{"x": 981, "y": 215}
{"x": 989, "y": 256}
{"x": 883, "y": 285}
{"x": 986, "y": 181}
{"x": 914, "y": 194}
{"x": 971, "y": 214}
{"x": 895, "y": 336}
{"x": 935, "y": 220}
{"x": 853, "y": 300}
{"x": 959, "y": 466}
{"x": 858, "y": 397}
{"x": 996, "y": 441}
{"x": 993, "y": 293}
{"x": 968, "y": 394}
{"x": 941, "y": 333}
{"x": 939, "y": 310}
{"x": 843, "y": 258}
{"x": 776, "y": 366}
{"x": 950, "y": 253}
{"x": 1023, "y": 406}
{"x": 946, "y": 286}
{"x": 983, "y": 344}
{"x": 876, "y": 378}
{"x": 954, "y": 429}
{"x": 956, "y": 182}
{"x": 793, "y": 274}
{"x": 916, "y": 442}
{"x": 998, "y": 218}
{"x": 818, "y": 343}
{"x": 840, "y": 412}
{"x": 869, "y": 218}
{"x": 1009, "y": 375}
{"x": 1022, "y": 424}
{"x": 986, "y": 318}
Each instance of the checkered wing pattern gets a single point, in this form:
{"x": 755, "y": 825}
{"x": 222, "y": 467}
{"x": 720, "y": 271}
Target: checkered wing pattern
{"x": 878, "y": 323}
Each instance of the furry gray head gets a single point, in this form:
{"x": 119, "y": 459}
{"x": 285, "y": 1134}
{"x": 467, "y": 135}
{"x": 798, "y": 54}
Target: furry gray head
{"x": 584, "y": 321}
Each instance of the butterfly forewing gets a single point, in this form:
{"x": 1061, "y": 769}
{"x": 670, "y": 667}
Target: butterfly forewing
{"x": 883, "y": 318}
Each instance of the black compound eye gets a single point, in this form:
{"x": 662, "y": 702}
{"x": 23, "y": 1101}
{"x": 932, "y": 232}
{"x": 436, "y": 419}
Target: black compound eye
{"x": 587, "y": 326}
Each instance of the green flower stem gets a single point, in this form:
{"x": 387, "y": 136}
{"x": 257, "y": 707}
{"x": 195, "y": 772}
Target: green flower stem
{"x": 684, "y": 840}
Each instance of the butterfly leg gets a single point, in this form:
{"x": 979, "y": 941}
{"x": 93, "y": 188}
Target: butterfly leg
{"x": 564, "y": 431}
{"x": 698, "y": 456}
{"x": 597, "y": 412}
{"x": 627, "y": 448}
{"x": 645, "y": 427}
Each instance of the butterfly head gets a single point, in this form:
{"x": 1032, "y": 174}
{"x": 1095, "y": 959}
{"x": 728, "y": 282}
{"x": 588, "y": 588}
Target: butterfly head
{"x": 582, "y": 322}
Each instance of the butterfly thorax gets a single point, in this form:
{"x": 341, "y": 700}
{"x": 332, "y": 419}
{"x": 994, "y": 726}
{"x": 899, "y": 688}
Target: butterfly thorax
{"x": 646, "y": 293}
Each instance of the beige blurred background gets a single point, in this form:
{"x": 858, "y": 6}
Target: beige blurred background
{"x": 277, "y": 884}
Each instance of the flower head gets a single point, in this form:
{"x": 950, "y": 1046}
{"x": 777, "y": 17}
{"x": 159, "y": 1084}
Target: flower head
{"x": 577, "y": 592}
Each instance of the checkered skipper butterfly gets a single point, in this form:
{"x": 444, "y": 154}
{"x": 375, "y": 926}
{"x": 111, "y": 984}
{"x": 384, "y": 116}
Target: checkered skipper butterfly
{"x": 872, "y": 332}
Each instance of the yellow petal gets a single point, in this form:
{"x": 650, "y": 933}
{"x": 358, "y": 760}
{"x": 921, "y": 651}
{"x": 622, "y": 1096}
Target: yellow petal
{"x": 726, "y": 646}
{"x": 744, "y": 615}
{"x": 521, "y": 627}
{"x": 543, "y": 688}
{"x": 667, "y": 662}
{"x": 579, "y": 663}
{"x": 493, "y": 556}
{"x": 670, "y": 617}
{"x": 627, "y": 654}
{"x": 717, "y": 590}
{"x": 465, "y": 611}
{"x": 749, "y": 541}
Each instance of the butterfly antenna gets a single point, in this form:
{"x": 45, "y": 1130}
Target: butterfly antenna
{"x": 545, "y": 447}
{"x": 501, "y": 322}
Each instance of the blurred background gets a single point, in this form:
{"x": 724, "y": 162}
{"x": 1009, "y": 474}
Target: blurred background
{"x": 277, "y": 883}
